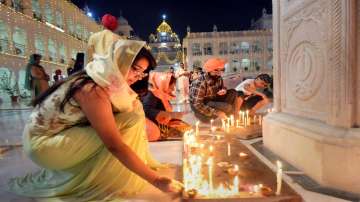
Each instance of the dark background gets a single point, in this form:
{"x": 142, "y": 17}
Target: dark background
{"x": 200, "y": 15}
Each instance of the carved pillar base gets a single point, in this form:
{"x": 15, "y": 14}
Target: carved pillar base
{"x": 316, "y": 99}
{"x": 329, "y": 155}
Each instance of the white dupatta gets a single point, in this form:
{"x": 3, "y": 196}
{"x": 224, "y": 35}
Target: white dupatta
{"x": 109, "y": 71}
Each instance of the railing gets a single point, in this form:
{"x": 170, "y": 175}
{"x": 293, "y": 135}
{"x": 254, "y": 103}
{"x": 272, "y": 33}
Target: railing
{"x": 17, "y": 6}
{"x": 234, "y": 52}
{"x": 38, "y": 16}
{"x": 4, "y": 46}
{"x": 223, "y": 52}
{"x": 19, "y": 48}
{"x": 197, "y": 53}
{"x": 51, "y": 58}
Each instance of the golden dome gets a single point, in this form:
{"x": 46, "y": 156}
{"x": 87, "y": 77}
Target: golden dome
{"x": 164, "y": 27}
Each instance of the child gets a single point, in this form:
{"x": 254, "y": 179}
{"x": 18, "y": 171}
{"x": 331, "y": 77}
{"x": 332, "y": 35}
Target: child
{"x": 251, "y": 99}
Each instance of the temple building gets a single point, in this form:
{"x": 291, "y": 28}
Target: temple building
{"x": 56, "y": 29}
{"x": 264, "y": 22}
{"x": 248, "y": 52}
{"x": 165, "y": 46}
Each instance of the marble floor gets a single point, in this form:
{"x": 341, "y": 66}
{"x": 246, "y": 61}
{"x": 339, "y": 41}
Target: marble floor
{"x": 11, "y": 125}
{"x": 14, "y": 163}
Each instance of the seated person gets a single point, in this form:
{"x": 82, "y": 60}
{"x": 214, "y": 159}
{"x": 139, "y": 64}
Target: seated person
{"x": 209, "y": 99}
{"x": 250, "y": 98}
{"x": 161, "y": 121}
{"x": 195, "y": 74}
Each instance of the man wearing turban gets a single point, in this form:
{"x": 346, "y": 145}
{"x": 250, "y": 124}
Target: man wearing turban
{"x": 209, "y": 99}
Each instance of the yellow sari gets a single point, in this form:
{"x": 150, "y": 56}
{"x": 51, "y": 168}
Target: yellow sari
{"x": 76, "y": 165}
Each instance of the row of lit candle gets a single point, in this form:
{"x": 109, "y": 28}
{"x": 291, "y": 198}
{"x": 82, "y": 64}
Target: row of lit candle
{"x": 194, "y": 180}
{"x": 243, "y": 121}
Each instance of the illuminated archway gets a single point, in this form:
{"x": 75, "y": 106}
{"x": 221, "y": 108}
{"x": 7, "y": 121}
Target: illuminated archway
{"x": 19, "y": 39}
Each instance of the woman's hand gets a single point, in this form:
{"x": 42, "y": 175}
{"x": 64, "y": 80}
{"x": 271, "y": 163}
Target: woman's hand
{"x": 221, "y": 92}
{"x": 163, "y": 117}
{"x": 168, "y": 185}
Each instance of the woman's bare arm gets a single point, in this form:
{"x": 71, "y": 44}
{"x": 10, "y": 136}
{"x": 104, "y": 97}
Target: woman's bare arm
{"x": 95, "y": 104}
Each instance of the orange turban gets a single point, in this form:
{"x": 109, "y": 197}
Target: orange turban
{"x": 214, "y": 64}
{"x": 109, "y": 22}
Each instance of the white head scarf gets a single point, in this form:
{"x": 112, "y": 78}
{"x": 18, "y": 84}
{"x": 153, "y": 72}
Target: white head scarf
{"x": 110, "y": 71}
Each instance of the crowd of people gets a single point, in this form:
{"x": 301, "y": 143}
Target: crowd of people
{"x": 38, "y": 81}
{"x": 89, "y": 132}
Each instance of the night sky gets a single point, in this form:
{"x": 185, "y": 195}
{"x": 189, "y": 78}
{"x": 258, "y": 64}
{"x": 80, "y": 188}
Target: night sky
{"x": 201, "y": 15}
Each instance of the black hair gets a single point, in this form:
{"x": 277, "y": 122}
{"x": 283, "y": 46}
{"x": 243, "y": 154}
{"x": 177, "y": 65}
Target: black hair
{"x": 265, "y": 77}
{"x": 141, "y": 86}
{"x": 199, "y": 69}
{"x": 82, "y": 79}
{"x": 37, "y": 56}
{"x": 79, "y": 62}
{"x": 145, "y": 53}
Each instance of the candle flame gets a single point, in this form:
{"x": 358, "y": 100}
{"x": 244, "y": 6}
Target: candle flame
{"x": 242, "y": 154}
{"x": 213, "y": 129}
{"x": 194, "y": 179}
{"x": 236, "y": 168}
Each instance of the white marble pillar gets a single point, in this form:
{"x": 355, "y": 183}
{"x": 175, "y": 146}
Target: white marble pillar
{"x": 317, "y": 89}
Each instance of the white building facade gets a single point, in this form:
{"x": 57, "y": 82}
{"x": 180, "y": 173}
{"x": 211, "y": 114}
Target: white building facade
{"x": 247, "y": 52}
{"x": 56, "y": 29}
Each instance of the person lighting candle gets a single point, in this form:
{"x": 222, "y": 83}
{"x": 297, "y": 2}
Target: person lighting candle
{"x": 209, "y": 99}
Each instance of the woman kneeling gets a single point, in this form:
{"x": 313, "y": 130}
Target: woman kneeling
{"x": 87, "y": 133}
